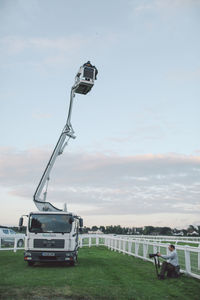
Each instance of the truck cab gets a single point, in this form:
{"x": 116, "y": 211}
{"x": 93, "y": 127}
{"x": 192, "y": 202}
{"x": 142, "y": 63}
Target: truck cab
{"x": 52, "y": 236}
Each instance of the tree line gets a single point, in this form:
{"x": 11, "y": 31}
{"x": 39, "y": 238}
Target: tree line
{"x": 146, "y": 230}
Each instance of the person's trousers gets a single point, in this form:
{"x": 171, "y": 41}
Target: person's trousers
{"x": 166, "y": 267}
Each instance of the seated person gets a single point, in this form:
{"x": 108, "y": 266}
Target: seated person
{"x": 171, "y": 265}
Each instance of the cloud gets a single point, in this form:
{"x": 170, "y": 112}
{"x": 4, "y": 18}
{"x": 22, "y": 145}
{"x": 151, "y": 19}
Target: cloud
{"x": 40, "y": 50}
{"x": 56, "y": 52}
{"x": 111, "y": 184}
{"x": 17, "y": 44}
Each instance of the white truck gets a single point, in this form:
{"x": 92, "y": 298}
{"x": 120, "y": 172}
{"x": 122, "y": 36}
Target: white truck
{"x": 52, "y": 233}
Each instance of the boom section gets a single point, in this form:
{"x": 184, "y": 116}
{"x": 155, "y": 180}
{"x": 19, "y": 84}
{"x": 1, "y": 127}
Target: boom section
{"x": 84, "y": 82}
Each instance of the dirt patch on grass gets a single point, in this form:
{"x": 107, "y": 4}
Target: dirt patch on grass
{"x": 36, "y": 293}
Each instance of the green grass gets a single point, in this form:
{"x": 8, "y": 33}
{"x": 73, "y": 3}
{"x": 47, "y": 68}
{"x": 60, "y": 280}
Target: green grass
{"x": 99, "y": 274}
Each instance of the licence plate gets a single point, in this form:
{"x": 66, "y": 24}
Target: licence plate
{"x": 48, "y": 254}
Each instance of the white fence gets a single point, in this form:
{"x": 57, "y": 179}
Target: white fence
{"x": 189, "y": 257}
{"x": 11, "y": 243}
{"x": 164, "y": 237}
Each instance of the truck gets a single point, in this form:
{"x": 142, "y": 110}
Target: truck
{"x": 52, "y": 234}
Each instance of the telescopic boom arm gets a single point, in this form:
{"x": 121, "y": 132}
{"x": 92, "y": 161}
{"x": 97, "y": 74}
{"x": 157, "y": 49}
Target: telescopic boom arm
{"x": 84, "y": 82}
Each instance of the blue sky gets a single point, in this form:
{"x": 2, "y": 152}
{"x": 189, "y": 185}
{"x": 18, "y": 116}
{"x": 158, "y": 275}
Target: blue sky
{"x": 135, "y": 160}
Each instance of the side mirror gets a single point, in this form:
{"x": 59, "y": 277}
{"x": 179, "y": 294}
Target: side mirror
{"x": 71, "y": 220}
{"x": 81, "y": 222}
{"x": 20, "y": 223}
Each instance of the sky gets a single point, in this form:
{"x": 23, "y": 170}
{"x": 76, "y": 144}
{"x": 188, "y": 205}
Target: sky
{"x": 136, "y": 157}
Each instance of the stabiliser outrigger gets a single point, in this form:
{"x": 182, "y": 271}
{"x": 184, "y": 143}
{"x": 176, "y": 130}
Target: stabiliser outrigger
{"x": 52, "y": 233}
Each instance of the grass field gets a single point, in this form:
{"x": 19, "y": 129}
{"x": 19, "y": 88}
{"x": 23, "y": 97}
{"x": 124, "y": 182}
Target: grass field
{"x": 99, "y": 274}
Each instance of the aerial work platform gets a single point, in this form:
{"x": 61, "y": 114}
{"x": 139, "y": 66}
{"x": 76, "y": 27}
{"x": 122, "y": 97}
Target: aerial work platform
{"x": 84, "y": 79}
{"x": 84, "y": 82}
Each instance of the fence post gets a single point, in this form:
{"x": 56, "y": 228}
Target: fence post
{"x": 129, "y": 247}
{"x": 145, "y": 250}
{"x": 136, "y": 248}
{"x": 111, "y": 244}
{"x": 105, "y": 244}
{"x": 108, "y": 242}
{"x": 97, "y": 240}
{"x": 199, "y": 257}
{"x": 124, "y": 246}
{"x": 187, "y": 261}
{"x": 0, "y": 242}
{"x": 120, "y": 245}
{"x": 155, "y": 249}
{"x": 89, "y": 241}
{"x": 115, "y": 243}
{"x": 15, "y": 245}
{"x": 118, "y": 242}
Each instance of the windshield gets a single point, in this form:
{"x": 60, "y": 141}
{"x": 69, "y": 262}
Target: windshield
{"x": 49, "y": 223}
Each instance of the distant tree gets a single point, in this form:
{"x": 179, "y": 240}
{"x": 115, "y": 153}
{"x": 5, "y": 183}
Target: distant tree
{"x": 117, "y": 229}
{"x": 140, "y": 230}
{"x": 130, "y": 231}
{"x": 149, "y": 230}
{"x": 165, "y": 231}
{"x": 102, "y": 228}
{"x": 94, "y": 228}
{"x": 184, "y": 232}
{"x": 198, "y": 226}
{"x": 109, "y": 229}
{"x": 191, "y": 229}
{"x": 85, "y": 229}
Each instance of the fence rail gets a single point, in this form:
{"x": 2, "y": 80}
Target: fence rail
{"x": 169, "y": 237}
{"x": 189, "y": 257}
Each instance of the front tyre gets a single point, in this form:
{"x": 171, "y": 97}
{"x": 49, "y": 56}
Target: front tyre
{"x": 73, "y": 262}
{"x": 30, "y": 263}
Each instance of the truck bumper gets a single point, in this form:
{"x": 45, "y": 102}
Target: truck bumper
{"x": 49, "y": 256}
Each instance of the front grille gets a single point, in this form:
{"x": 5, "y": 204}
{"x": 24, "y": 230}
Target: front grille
{"x": 42, "y": 243}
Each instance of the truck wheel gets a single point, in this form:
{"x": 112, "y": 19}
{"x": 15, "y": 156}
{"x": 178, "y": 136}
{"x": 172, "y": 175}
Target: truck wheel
{"x": 30, "y": 263}
{"x": 20, "y": 243}
{"x": 72, "y": 263}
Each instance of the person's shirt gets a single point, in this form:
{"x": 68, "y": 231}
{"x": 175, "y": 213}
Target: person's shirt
{"x": 172, "y": 258}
